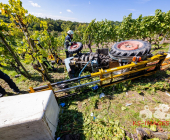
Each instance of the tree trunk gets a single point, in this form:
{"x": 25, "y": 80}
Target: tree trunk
{"x": 14, "y": 56}
{"x": 31, "y": 43}
{"x": 29, "y": 40}
{"x": 17, "y": 69}
{"x": 150, "y": 40}
{"x": 46, "y": 73}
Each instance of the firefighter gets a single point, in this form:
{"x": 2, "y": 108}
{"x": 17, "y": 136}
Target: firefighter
{"x": 68, "y": 42}
{"x": 7, "y": 79}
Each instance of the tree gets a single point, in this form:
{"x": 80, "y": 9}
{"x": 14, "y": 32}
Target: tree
{"x": 7, "y": 35}
{"x": 18, "y": 17}
{"x": 79, "y": 32}
{"x": 126, "y": 28}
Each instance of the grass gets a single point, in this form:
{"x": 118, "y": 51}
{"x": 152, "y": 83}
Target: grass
{"x": 110, "y": 112}
{"x": 164, "y": 47}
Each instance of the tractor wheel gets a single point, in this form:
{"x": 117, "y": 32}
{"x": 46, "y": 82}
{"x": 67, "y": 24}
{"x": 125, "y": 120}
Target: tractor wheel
{"x": 75, "y": 48}
{"x": 130, "y": 48}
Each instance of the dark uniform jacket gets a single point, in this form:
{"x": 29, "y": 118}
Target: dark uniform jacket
{"x": 67, "y": 42}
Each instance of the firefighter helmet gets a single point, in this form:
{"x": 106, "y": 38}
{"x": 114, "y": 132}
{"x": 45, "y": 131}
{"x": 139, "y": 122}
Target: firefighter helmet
{"x": 70, "y": 32}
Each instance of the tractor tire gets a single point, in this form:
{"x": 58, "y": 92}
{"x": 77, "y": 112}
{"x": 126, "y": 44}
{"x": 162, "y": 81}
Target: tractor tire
{"x": 75, "y": 48}
{"x": 130, "y": 48}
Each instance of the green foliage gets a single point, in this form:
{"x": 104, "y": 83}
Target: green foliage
{"x": 97, "y": 32}
{"x": 8, "y": 32}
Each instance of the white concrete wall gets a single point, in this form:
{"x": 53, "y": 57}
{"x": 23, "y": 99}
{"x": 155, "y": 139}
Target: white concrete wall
{"x": 29, "y": 117}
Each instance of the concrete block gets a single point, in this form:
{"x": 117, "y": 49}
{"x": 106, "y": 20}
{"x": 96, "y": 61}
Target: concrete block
{"x": 29, "y": 117}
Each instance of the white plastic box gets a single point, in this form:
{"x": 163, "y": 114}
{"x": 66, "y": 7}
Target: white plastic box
{"x": 29, "y": 116}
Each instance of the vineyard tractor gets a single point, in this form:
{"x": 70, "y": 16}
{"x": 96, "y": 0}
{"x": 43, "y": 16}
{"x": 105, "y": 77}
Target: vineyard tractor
{"x": 121, "y": 53}
{"x": 126, "y": 60}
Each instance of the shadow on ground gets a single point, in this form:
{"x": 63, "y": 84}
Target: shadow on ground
{"x": 60, "y": 70}
{"x": 37, "y": 78}
{"x": 13, "y": 94}
{"x": 70, "y": 122}
{"x": 159, "y": 76}
{"x": 7, "y": 68}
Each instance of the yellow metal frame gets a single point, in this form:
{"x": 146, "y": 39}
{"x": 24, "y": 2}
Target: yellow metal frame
{"x": 51, "y": 57}
{"x": 158, "y": 59}
{"x": 152, "y": 59}
{"x": 31, "y": 90}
